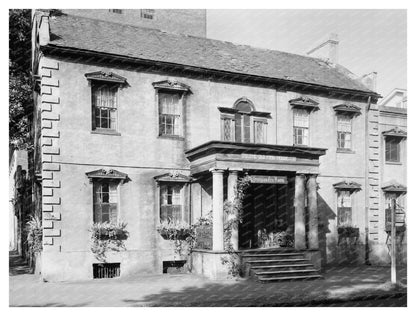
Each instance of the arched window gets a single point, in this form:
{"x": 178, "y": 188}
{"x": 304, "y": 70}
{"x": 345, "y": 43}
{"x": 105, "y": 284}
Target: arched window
{"x": 242, "y": 123}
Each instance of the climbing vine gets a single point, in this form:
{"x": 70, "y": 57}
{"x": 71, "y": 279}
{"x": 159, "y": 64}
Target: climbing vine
{"x": 233, "y": 211}
{"x": 107, "y": 237}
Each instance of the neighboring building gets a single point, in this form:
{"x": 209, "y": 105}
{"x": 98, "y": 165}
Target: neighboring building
{"x": 388, "y": 161}
{"x": 19, "y": 200}
{"x": 140, "y": 125}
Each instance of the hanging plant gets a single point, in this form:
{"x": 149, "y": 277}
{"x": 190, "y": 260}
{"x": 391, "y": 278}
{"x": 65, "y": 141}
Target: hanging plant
{"x": 107, "y": 237}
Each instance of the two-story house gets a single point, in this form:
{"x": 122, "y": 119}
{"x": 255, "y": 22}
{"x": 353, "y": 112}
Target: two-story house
{"x": 141, "y": 125}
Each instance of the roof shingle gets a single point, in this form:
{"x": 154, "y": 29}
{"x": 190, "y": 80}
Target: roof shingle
{"x": 137, "y": 42}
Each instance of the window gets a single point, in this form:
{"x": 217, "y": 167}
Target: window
{"x": 260, "y": 131}
{"x": 104, "y": 106}
{"x": 344, "y": 131}
{"x": 118, "y": 11}
{"x": 301, "y": 127}
{"x": 243, "y": 124}
{"x": 228, "y": 128}
{"x": 147, "y": 14}
{"x": 393, "y": 149}
{"x": 105, "y": 201}
{"x": 344, "y": 208}
{"x": 171, "y": 206}
{"x": 170, "y": 109}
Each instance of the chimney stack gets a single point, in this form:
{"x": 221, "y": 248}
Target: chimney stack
{"x": 326, "y": 49}
{"x": 370, "y": 80}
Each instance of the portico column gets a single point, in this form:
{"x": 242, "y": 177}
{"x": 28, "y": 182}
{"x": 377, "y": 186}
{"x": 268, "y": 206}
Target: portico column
{"x": 217, "y": 210}
{"x": 300, "y": 241}
{"x": 313, "y": 212}
{"x": 231, "y": 195}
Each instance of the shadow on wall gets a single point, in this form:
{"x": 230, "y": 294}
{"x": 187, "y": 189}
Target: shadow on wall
{"x": 325, "y": 214}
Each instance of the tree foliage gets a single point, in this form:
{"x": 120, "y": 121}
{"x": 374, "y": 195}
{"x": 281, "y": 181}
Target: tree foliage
{"x": 20, "y": 81}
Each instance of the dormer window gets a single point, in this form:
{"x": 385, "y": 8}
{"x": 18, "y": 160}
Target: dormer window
{"x": 243, "y": 124}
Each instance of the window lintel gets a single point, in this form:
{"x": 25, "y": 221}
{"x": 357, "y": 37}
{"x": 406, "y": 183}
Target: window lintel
{"x": 304, "y": 103}
{"x": 347, "y": 109}
{"x": 347, "y": 186}
{"x": 252, "y": 113}
{"x": 172, "y": 85}
{"x": 104, "y": 173}
{"x": 395, "y": 132}
{"x": 394, "y": 187}
{"x": 106, "y": 76}
{"x": 173, "y": 177}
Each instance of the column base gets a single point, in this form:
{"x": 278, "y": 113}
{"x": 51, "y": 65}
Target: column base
{"x": 208, "y": 263}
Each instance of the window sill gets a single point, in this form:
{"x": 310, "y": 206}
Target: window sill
{"x": 393, "y": 163}
{"x": 173, "y": 137}
{"x": 104, "y": 132}
{"x": 345, "y": 151}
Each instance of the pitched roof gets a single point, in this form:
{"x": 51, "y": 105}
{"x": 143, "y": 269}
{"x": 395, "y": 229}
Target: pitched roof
{"x": 155, "y": 45}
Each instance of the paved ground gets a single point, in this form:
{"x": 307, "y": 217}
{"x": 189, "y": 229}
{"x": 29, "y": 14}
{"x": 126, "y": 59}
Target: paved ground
{"x": 348, "y": 286}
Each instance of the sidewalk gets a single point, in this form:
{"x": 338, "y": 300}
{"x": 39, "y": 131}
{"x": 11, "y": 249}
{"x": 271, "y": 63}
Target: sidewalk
{"x": 363, "y": 285}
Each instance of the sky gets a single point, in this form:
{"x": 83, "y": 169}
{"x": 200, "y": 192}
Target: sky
{"x": 369, "y": 40}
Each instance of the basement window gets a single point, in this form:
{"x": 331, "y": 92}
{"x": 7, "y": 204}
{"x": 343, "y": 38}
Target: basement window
{"x": 118, "y": 11}
{"x": 173, "y": 267}
{"x": 106, "y": 270}
{"x": 147, "y": 14}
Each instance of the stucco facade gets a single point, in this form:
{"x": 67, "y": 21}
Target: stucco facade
{"x": 71, "y": 149}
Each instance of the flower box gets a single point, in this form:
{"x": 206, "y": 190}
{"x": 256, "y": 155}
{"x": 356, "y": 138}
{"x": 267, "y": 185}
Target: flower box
{"x": 175, "y": 234}
{"x": 107, "y": 231}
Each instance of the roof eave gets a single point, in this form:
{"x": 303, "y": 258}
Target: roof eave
{"x": 55, "y": 49}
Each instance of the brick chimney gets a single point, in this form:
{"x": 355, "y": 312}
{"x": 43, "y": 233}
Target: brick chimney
{"x": 326, "y": 49}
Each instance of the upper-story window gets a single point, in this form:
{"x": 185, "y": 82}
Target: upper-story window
{"x": 147, "y": 13}
{"x": 345, "y": 114}
{"x": 393, "y": 149}
{"x": 393, "y": 140}
{"x": 105, "y": 88}
{"x": 171, "y": 102}
{"x": 302, "y": 107}
{"x": 104, "y": 103}
{"x": 344, "y": 128}
{"x": 301, "y": 127}
{"x": 243, "y": 124}
{"x": 170, "y": 111}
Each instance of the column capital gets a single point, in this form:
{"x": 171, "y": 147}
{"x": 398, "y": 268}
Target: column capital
{"x": 301, "y": 175}
{"x": 235, "y": 170}
{"x": 216, "y": 170}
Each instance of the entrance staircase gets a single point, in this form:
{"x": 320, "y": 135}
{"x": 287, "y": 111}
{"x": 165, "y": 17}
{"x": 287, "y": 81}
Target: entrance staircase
{"x": 278, "y": 264}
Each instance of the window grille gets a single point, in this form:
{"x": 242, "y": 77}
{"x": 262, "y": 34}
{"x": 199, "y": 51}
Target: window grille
{"x": 118, "y": 11}
{"x": 106, "y": 270}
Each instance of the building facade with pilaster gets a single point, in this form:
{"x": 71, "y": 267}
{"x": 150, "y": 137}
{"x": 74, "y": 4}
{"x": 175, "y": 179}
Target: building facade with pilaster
{"x": 151, "y": 127}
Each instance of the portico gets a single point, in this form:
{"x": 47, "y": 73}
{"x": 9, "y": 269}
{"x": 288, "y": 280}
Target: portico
{"x": 293, "y": 168}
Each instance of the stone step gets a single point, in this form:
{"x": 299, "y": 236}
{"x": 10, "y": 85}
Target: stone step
{"x": 282, "y": 267}
{"x": 276, "y": 273}
{"x": 273, "y": 257}
{"x": 256, "y": 263}
{"x": 282, "y": 254}
{"x": 265, "y": 279}
{"x": 269, "y": 250}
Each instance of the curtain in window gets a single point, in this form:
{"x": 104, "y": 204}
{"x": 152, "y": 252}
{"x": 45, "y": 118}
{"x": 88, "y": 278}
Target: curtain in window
{"x": 301, "y": 127}
{"x": 105, "y": 202}
{"x": 171, "y": 208}
{"x": 105, "y": 106}
{"x": 169, "y": 114}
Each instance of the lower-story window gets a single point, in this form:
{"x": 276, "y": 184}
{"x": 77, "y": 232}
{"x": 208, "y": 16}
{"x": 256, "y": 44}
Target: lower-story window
{"x": 105, "y": 201}
{"x": 344, "y": 208}
{"x": 171, "y": 203}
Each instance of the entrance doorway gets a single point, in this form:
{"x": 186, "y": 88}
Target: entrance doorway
{"x": 267, "y": 219}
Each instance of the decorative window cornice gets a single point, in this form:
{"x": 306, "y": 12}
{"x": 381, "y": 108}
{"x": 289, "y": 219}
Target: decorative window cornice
{"x": 304, "y": 103}
{"x": 106, "y": 76}
{"x": 171, "y": 85}
{"x": 172, "y": 177}
{"x": 107, "y": 174}
{"x": 347, "y": 185}
{"x": 395, "y": 132}
{"x": 347, "y": 109}
{"x": 252, "y": 113}
{"x": 394, "y": 187}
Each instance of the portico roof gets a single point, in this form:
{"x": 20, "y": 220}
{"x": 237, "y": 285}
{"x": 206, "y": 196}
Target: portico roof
{"x": 221, "y": 154}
